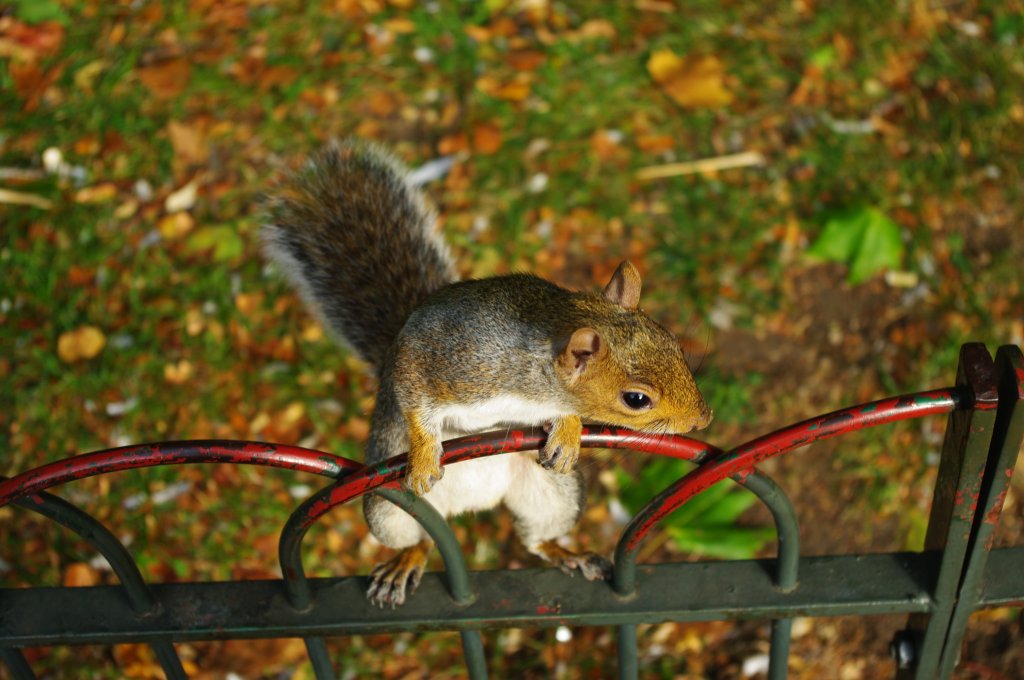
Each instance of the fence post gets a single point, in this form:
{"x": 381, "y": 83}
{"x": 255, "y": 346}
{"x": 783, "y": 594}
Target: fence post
{"x": 954, "y": 504}
{"x": 1007, "y": 435}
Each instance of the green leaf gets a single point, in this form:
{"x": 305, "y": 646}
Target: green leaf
{"x": 881, "y": 247}
{"x": 223, "y": 240}
{"x": 864, "y": 238}
{"x": 703, "y": 525}
{"x": 724, "y": 541}
{"x": 38, "y": 11}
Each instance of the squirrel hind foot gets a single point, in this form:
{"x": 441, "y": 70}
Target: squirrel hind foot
{"x": 594, "y": 567}
{"x": 393, "y": 581}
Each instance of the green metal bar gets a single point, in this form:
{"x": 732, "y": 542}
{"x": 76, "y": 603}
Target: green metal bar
{"x": 16, "y": 664}
{"x": 1003, "y": 585}
{"x": 829, "y": 586}
{"x": 473, "y": 651}
{"x": 456, "y": 573}
{"x": 787, "y": 564}
{"x": 136, "y": 592}
{"x": 629, "y": 662}
{"x": 319, "y": 658}
{"x": 1007, "y": 435}
{"x": 957, "y": 487}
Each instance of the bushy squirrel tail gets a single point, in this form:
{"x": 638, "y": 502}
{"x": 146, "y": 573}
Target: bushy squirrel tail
{"x": 358, "y": 243}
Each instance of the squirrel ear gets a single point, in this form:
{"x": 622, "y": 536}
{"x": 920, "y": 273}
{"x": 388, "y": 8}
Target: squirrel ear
{"x": 584, "y": 346}
{"x": 624, "y": 287}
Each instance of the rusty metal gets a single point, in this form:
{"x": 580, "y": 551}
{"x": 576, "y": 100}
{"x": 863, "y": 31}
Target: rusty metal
{"x": 1007, "y": 434}
{"x": 965, "y": 451}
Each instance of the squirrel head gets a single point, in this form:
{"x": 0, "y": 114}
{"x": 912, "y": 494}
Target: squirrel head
{"x": 625, "y": 369}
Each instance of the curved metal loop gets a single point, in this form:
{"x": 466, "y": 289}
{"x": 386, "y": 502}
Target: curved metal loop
{"x": 103, "y": 540}
{"x": 738, "y": 461}
{"x": 140, "y": 597}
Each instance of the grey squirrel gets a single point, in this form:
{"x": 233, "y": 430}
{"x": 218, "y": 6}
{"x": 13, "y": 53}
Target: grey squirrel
{"x": 360, "y": 246}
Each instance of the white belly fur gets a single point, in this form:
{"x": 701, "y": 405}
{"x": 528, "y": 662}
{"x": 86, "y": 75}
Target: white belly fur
{"x": 482, "y": 484}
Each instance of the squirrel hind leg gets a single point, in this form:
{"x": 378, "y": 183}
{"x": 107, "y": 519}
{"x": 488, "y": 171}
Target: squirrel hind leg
{"x": 594, "y": 567}
{"x": 393, "y": 581}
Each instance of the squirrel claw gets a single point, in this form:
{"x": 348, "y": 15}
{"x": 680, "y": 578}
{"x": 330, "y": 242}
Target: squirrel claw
{"x": 392, "y": 581}
{"x": 561, "y": 451}
{"x": 422, "y": 481}
{"x": 561, "y": 458}
{"x": 591, "y": 565}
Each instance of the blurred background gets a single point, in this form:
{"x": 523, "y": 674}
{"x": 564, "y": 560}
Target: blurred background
{"x": 824, "y": 200}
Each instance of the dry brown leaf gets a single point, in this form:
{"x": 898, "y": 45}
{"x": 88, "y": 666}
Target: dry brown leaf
{"x": 605, "y": 144}
{"x": 248, "y": 303}
{"x": 179, "y": 373}
{"x": 84, "y": 342}
{"x": 515, "y": 90}
{"x": 453, "y": 143}
{"x": 189, "y": 143}
{"x": 655, "y": 143}
{"x": 101, "y": 193}
{"x": 175, "y": 225}
{"x": 693, "y": 82}
{"x": 596, "y": 28}
{"x": 486, "y": 138}
{"x": 526, "y": 61}
{"x": 29, "y": 42}
{"x": 80, "y": 575}
{"x": 167, "y": 78}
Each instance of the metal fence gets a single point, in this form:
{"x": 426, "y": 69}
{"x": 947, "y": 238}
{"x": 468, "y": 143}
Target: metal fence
{"x": 957, "y": 573}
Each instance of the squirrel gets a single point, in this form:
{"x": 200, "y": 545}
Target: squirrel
{"x": 360, "y": 246}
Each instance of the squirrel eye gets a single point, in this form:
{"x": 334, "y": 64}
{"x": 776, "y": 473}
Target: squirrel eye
{"x": 636, "y": 400}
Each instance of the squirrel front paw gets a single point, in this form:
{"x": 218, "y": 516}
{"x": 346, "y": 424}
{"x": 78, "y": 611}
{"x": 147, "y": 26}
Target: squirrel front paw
{"x": 424, "y": 456}
{"x": 561, "y": 451}
{"x": 420, "y": 481}
{"x": 424, "y": 472}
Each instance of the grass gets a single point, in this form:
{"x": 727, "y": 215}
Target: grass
{"x": 202, "y": 341}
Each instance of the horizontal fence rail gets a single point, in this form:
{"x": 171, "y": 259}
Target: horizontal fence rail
{"x": 957, "y": 573}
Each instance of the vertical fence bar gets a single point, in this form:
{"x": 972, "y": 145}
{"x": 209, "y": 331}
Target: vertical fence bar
{"x": 316, "y": 650}
{"x": 16, "y": 664}
{"x": 459, "y": 584}
{"x": 957, "y": 487}
{"x": 629, "y": 661}
{"x": 1007, "y": 435}
{"x": 787, "y": 563}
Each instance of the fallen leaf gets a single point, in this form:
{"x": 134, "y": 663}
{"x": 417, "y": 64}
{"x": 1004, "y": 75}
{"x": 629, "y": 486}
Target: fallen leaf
{"x": 79, "y": 575}
{"x": 166, "y": 79}
{"x": 29, "y": 43}
{"x": 222, "y": 240}
{"x": 182, "y": 199}
{"x": 248, "y": 303}
{"x": 596, "y": 28}
{"x": 605, "y": 144}
{"x": 692, "y": 82}
{"x": 84, "y": 342}
{"x": 85, "y": 77}
{"x": 175, "y": 225}
{"x": 101, "y": 193}
{"x": 179, "y": 373}
{"x": 453, "y": 143}
{"x": 188, "y": 142}
{"x": 486, "y": 138}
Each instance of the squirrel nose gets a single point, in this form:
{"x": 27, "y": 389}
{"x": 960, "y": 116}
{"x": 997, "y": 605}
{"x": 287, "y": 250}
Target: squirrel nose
{"x": 703, "y": 419}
